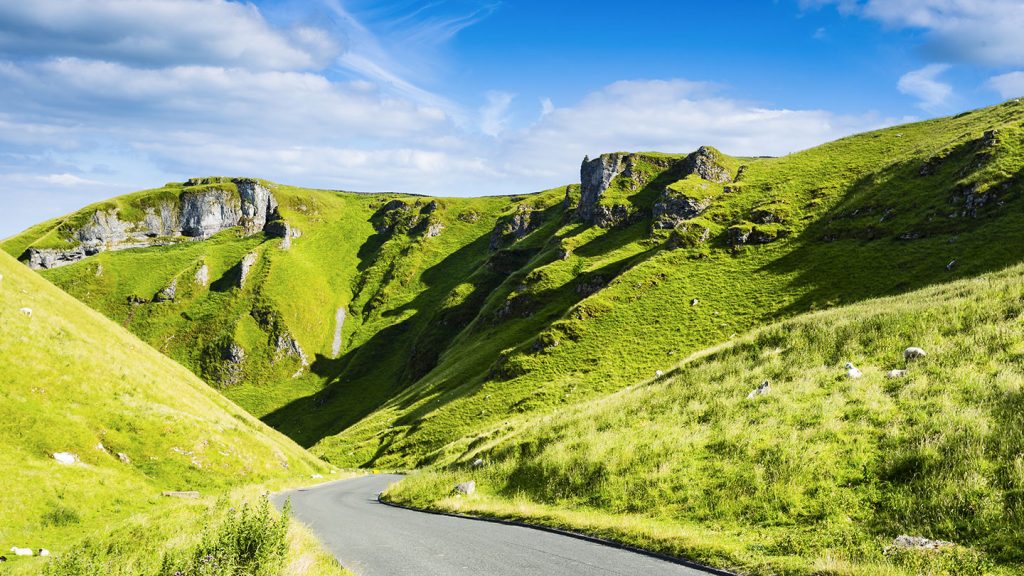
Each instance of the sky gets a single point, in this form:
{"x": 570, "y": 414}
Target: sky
{"x": 460, "y": 97}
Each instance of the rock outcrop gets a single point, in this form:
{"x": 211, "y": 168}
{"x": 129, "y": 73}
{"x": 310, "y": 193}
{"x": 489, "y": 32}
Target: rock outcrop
{"x": 596, "y": 176}
{"x": 339, "y": 323}
{"x": 674, "y": 208}
{"x": 510, "y": 229}
{"x": 204, "y": 208}
{"x": 246, "y": 267}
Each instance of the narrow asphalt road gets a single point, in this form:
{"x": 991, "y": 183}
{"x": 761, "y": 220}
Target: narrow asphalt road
{"x": 373, "y": 539}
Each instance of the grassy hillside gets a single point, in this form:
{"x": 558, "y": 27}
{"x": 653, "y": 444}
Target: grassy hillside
{"x": 817, "y": 476}
{"x": 137, "y": 423}
{"x": 463, "y": 313}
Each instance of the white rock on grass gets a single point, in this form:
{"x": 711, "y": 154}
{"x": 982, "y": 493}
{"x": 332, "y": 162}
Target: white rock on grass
{"x": 465, "y": 488}
{"x": 317, "y": 476}
{"x": 763, "y": 388}
{"x": 658, "y": 373}
{"x": 124, "y": 458}
{"x": 852, "y": 371}
{"x": 478, "y": 463}
{"x": 913, "y": 353}
{"x": 65, "y": 458}
{"x": 919, "y": 543}
{"x": 894, "y": 374}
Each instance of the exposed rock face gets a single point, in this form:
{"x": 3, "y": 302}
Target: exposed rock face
{"x": 434, "y": 229}
{"x": 199, "y": 214}
{"x": 673, "y": 209}
{"x": 595, "y": 177}
{"x": 288, "y": 346}
{"x": 203, "y": 275}
{"x": 234, "y": 358}
{"x": 168, "y": 293}
{"x": 514, "y": 228}
{"x": 704, "y": 163}
{"x": 339, "y": 323}
{"x": 247, "y": 263}
{"x": 752, "y": 235}
{"x": 465, "y": 488}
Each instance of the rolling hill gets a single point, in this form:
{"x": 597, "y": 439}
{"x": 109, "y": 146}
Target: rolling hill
{"x": 97, "y": 425}
{"x": 395, "y": 330}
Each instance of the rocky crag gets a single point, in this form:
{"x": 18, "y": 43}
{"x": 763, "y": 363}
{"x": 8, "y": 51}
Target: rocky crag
{"x": 204, "y": 207}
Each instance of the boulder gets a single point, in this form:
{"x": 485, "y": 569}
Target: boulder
{"x": 913, "y": 353}
{"x": 512, "y": 228}
{"x": 706, "y": 163}
{"x": 124, "y": 458}
{"x": 595, "y": 177}
{"x": 918, "y": 543}
{"x": 852, "y": 371}
{"x": 168, "y": 293}
{"x": 65, "y": 458}
{"x": 762, "y": 389}
{"x": 894, "y": 374}
{"x": 674, "y": 208}
{"x": 465, "y": 488}
{"x": 202, "y": 277}
{"x": 478, "y": 463}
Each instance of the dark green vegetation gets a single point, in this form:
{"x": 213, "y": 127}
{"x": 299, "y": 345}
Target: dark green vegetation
{"x": 819, "y": 475}
{"x": 136, "y": 423}
{"x": 467, "y": 320}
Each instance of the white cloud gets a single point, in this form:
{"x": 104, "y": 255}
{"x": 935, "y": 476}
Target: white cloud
{"x": 494, "y": 114}
{"x": 924, "y": 85}
{"x": 66, "y": 179}
{"x": 155, "y": 32}
{"x": 986, "y": 32}
{"x": 546, "y": 106}
{"x": 1009, "y": 85}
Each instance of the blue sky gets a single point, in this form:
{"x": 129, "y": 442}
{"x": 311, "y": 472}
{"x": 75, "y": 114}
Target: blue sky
{"x": 458, "y": 97}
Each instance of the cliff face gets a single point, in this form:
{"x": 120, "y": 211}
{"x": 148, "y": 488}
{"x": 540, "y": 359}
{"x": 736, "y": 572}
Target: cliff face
{"x": 202, "y": 210}
{"x": 595, "y": 177}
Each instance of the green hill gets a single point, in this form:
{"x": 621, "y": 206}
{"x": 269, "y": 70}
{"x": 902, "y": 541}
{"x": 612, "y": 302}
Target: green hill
{"x": 460, "y": 314}
{"x": 818, "y": 475}
{"x": 130, "y": 424}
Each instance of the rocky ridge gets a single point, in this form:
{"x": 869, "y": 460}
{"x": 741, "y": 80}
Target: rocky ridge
{"x": 204, "y": 207}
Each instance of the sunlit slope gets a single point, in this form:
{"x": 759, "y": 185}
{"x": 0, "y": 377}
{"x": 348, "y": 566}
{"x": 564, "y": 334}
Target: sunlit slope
{"x": 138, "y": 424}
{"x": 461, "y": 313}
{"x": 817, "y": 475}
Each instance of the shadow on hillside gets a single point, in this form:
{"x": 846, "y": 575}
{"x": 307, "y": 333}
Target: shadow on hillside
{"x": 897, "y": 231}
{"x": 364, "y": 379}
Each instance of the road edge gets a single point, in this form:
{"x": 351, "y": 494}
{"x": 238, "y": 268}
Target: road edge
{"x": 562, "y": 532}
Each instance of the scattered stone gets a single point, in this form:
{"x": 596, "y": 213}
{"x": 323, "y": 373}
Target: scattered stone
{"x": 852, "y": 371}
{"x": 694, "y": 302}
{"x": 762, "y": 389}
{"x": 26, "y": 312}
{"x": 66, "y": 458}
{"x": 168, "y": 293}
{"x": 203, "y": 275}
{"x": 234, "y": 357}
{"x": 101, "y": 447}
{"x": 478, "y": 463}
{"x": 317, "y": 476}
{"x": 658, "y": 373}
{"x": 465, "y": 488}
{"x": 894, "y": 374}
{"x": 99, "y": 270}
{"x": 951, "y": 264}
{"x": 124, "y": 458}
{"x": 913, "y": 353}
{"x": 180, "y": 494}
{"x": 918, "y": 543}
{"x": 434, "y": 229}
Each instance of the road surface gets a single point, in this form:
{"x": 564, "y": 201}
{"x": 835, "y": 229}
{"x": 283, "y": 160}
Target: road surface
{"x": 373, "y": 539}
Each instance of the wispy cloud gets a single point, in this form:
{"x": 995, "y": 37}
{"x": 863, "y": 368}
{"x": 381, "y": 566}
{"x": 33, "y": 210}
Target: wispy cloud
{"x": 494, "y": 114}
{"x": 1009, "y": 85}
{"x": 924, "y": 85}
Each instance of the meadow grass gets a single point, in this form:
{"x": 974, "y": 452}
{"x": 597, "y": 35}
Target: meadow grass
{"x": 139, "y": 424}
{"x": 819, "y": 475}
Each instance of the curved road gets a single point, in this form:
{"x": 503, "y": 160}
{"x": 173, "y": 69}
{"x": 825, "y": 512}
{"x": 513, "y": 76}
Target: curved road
{"x": 373, "y": 539}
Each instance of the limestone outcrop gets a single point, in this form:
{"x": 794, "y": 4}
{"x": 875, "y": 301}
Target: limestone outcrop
{"x": 203, "y": 208}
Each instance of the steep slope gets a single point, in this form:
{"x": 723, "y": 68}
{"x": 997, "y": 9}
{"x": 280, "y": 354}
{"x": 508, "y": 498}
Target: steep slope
{"x": 818, "y": 474}
{"x": 460, "y": 313}
{"x": 130, "y": 422}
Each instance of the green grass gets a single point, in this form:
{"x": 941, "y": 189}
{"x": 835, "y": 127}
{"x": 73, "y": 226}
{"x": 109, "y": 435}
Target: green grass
{"x": 73, "y": 381}
{"x": 445, "y": 337}
{"x": 816, "y": 477}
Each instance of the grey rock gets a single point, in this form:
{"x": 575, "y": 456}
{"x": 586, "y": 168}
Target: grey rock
{"x": 951, "y": 264}
{"x": 919, "y": 543}
{"x": 513, "y": 228}
{"x": 478, "y": 463}
{"x": 895, "y": 374}
{"x": 465, "y": 488}
{"x": 704, "y": 163}
{"x": 673, "y": 208}
{"x": 168, "y": 293}
{"x": 434, "y": 229}
{"x": 762, "y": 389}
{"x": 595, "y": 177}
{"x": 234, "y": 359}
{"x": 339, "y": 322}
{"x": 247, "y": 263}
{"x": 913, "y": 353}
{"x": 289, "y": 346}
{"x": 258, "y": 205}
{"x": 202, "y": 276}
{"x": 124, "y": 458}
{"x": 206, "y": 212}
